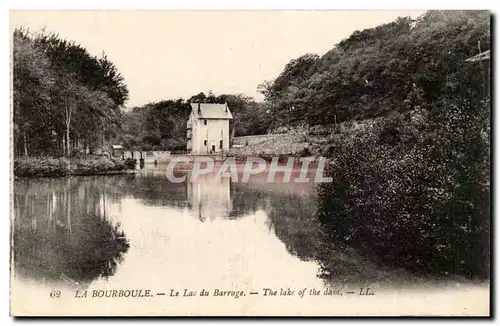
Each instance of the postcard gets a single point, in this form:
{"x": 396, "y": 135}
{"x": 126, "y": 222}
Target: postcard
{"x": 250, "y": 163}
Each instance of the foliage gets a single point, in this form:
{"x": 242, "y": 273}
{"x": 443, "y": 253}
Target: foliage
{"x": 155, "y": 126}
{"x": 64, "y": 98}
{"x": 61, "y": 166}
{"x": 392, "y": 67}
{"x": 414, "y": 191}
{"x": 33, "y": 167}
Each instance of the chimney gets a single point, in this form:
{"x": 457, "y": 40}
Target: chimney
{"x": 226, "y": 106}
{"x": 199, "y": 108}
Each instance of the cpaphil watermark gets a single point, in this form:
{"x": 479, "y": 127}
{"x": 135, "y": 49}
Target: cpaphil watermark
{"x": 295, "y": 170}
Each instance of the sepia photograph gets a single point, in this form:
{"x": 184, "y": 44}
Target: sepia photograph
{"x": 284, "y": 163}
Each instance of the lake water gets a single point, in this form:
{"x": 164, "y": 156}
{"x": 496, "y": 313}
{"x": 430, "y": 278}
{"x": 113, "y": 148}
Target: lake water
{"x": 142, "y": 231}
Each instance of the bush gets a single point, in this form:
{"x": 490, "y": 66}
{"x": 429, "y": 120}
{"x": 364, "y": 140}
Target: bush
{"x": 413, "y": 192}
{"x": 53, "y": 167}
{"x": 40, "y": 166}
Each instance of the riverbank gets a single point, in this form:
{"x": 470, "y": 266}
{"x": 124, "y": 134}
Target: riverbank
{"x": 62, "y": 166}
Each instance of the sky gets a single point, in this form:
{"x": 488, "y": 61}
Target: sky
{"x": 175, "y": 54}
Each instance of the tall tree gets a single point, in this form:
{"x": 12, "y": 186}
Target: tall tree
{"x": 64, "y": 98}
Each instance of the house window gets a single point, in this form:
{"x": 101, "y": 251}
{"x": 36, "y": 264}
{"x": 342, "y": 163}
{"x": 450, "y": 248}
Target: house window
{"x": 205, "y": 122}
{"x": 205, "y": 142}
{"x": 221, "y": 144}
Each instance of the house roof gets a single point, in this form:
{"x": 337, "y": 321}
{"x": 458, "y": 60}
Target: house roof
{"x": 480, "y": 57}
{"x": 211, "y": 111}
{"x": 116, "y": 146}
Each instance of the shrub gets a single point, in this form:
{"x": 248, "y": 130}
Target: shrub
{"x": 41, "y": 166}
{"x": 413, "y": 192}
{"x": 53, "y": 167}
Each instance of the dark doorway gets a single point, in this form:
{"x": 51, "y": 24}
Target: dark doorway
{"x": 213, "y": 148}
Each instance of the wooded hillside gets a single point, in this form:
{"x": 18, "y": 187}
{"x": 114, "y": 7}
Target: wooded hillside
{"x": 395, "y": 67}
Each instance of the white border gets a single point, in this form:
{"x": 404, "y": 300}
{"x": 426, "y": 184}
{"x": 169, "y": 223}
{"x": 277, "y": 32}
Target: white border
{"x": 255, "y": 4}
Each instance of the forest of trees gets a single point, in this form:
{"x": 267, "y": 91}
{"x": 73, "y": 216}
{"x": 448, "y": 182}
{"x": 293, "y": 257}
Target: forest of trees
{"x": 393, "y": 67}
{"x": 64, "y": 98}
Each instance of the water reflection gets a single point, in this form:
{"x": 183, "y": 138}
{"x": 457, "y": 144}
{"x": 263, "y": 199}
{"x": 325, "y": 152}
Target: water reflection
{"x": 69, "y": 230}
{"x": 154, "y": 189}
{"x": 206, "y": 197}
{"x": 61, "y": 231}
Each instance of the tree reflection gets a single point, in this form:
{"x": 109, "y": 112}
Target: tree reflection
{"x": 293, "y": 218}
{"x": 153, "y": 188}
{"x": 246, "y": 200}
{"x": 61, "y": 231}
{"x": 299, "y": 220}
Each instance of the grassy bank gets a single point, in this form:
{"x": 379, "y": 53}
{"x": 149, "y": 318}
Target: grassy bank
{"x": 61, "y": 166}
